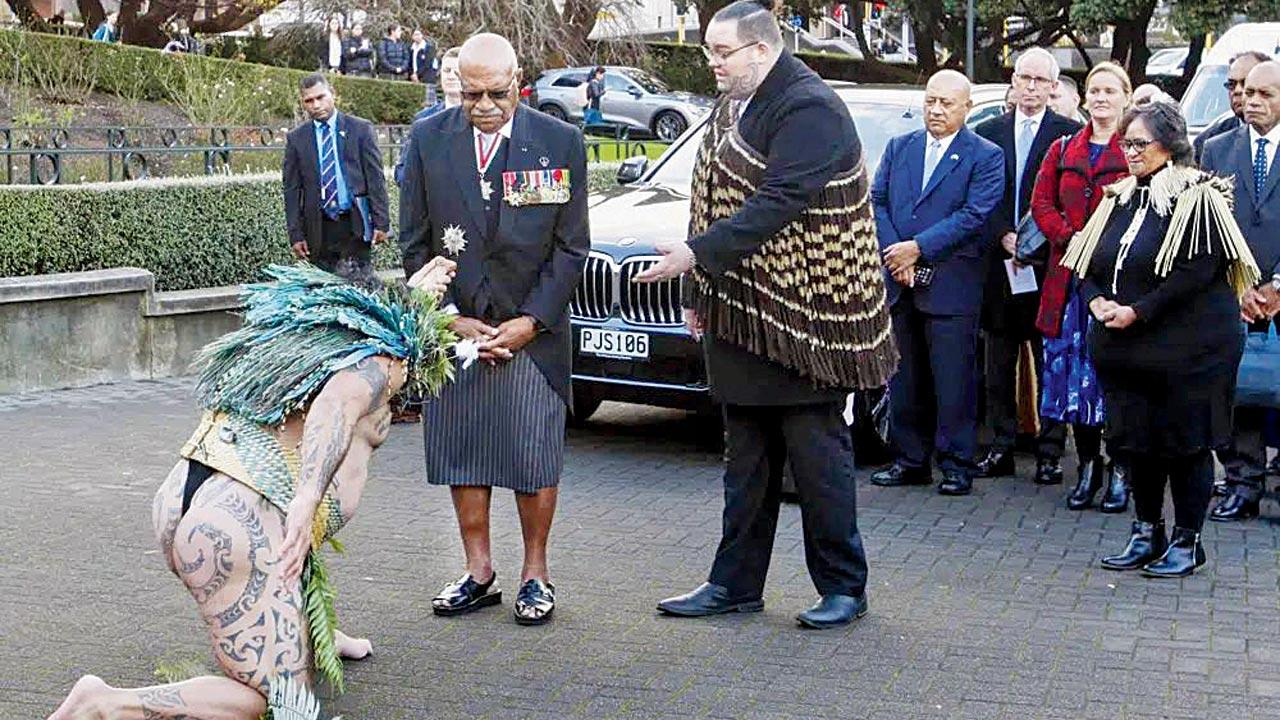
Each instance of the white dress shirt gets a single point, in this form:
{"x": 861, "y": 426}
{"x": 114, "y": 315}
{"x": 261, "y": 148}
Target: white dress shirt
{"x": 1273, "y": 139}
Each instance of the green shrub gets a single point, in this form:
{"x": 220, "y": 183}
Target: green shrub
{"x": 190, "y": 232}
{"x": 140, "y": 73}
{"x": 685, "y": 68}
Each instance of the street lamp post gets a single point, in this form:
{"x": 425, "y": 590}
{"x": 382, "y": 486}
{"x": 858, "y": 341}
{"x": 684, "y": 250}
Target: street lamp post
{"x": 968, "y": 36}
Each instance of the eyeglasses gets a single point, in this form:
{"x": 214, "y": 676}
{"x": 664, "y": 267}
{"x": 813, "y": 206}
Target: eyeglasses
{"x": 1232, "y": 84}
{"x": 494, "y": 95}
{"x": 722, "y": 56}
{"x": 1135, "y": 145}
{"x": 1032, "y": 80}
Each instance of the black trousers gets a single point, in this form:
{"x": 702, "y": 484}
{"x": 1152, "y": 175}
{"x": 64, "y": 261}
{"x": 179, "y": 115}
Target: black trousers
{"x": 340, "y": 239}
{"x": 759, "y": 439}
{"x": 1000, "y": 373}
{"x": 1246, "y": 457}
{"x": 1190, "y": 481}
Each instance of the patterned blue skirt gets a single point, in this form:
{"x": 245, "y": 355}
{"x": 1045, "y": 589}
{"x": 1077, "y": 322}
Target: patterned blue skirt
{"x": 1070, "y": 392}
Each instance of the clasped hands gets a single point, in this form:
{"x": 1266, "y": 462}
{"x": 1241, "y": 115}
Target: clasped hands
{"x": 496, "y": 343}
{"x": 1259, "y": 304}
{"x": 1112, "y": 314}
{"x": 900, "y": 260}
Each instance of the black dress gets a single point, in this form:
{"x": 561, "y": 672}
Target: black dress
{"x": 1169, "y": 378}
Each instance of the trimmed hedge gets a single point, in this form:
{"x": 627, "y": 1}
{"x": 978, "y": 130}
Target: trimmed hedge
{"x": 190, "y": 232}
{"x": 148, "y": 74}
{"x": 685, "y": 68}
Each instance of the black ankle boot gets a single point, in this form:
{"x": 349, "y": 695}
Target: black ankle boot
{"x": 1184, "y": 556}
{"x": 1146, "y": 543}
{"x": 1116, "y": 498}
{"x": 1092, "y": 473}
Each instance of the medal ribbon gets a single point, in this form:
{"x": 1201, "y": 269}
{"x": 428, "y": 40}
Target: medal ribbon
{"x": 486, "y": 157}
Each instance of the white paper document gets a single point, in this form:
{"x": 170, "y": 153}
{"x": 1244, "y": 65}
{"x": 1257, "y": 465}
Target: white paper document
{"x": 1021, "y": 279}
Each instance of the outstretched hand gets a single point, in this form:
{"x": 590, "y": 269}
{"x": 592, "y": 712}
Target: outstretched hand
{"x": 677, "y": 259}
{"x": 297, "y": 538}
{"x": 435, "y": 276}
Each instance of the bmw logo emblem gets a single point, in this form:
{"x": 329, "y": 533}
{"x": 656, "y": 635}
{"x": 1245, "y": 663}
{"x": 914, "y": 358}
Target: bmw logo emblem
{"x": 626, "y": 242}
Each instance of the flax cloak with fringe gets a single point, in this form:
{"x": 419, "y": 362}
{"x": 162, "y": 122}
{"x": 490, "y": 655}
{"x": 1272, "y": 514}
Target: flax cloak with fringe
{"x": 812, "y": 297}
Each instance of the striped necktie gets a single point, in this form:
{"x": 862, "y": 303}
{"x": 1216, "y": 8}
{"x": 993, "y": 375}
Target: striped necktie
{"x": 1260, "y": 167}
{"x": 328, "y": 173}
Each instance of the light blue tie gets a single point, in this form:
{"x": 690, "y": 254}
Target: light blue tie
{"x": 1260, "y": 167}
{"x": 328, "y": 173}
{"x": 1022, "y": 147}
{"x": 931, "y": 161}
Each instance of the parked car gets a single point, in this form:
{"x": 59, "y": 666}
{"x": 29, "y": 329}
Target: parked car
{"x": 1206, "y": 97}
{"x": 1168, "y": 61}
{"x": 634, "y": 99}
{"x": 630, "y": 343}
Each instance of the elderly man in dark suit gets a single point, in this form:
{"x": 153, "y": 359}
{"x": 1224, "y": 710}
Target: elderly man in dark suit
{"x": 781, "y": 148}
{"x": 501, "y": 189}
{"x": 1009, "y": 320}
{"x": 934, "y": 191}
{"x": 1237, "y": 71}
{"x": 335, "y": 195}
{"x": 1248, "y": 153}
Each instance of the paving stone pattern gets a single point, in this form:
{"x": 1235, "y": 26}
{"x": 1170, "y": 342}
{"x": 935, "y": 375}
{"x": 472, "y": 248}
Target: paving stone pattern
{"x": 989, "y": 606}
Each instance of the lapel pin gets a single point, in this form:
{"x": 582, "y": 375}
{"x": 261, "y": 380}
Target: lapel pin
{"x": 543, "y": 161}
{"x": 955, "y": 157}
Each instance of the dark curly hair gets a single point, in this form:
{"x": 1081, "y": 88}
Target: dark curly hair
{"x": 1167, "y": 126}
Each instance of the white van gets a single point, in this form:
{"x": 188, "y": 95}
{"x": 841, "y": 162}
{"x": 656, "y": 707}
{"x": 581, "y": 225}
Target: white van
{"x": 1206, "y": 97}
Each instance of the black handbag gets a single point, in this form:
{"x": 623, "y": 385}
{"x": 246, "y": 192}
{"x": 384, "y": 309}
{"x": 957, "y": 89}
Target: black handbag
{"x": 1033, "y": 246}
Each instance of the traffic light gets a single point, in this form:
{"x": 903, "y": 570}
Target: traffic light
{"x": 682, "y": 7}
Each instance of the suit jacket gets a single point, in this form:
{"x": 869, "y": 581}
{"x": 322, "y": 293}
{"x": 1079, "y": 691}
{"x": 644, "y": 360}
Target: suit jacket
{"x": 533, "y": 264}
{"x": 1258, "y": 215}
{"x": 426, "y": 57}
{"x": 1002, "y": 311}
{"x": 804, "y": 129}
{"x": 947, "y": 219}
{"x": 361, "y": 167}
{"x": 1222, "y": 126}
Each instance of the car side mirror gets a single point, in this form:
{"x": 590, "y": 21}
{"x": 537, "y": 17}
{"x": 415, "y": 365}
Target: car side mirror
{"x": 632, "y": 169}
{"x": 636, "y": 93}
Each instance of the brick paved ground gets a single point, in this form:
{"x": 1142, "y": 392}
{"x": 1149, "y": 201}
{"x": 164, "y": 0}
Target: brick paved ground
{"x": 982, "y": 607}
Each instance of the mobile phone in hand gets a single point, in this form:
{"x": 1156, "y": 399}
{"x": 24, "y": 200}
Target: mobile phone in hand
{"x": 923, "y": 275}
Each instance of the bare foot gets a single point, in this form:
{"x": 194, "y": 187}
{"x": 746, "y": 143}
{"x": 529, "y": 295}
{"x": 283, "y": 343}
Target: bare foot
{"x": 352, "y": 648}
{"x": 85, "y": 700}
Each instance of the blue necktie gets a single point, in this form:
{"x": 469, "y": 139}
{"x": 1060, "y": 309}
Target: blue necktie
{"x": 1022, "y": 149}
{"x": 1260, "y": 167}
{"x": 328, "y": 173}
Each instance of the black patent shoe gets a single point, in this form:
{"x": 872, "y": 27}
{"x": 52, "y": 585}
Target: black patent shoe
{"x": 709, "y": 599}
{"x": 1116, "y": 498}
{"x": 535, "y": 602}
{"x": 1146, "y": 543}
{"x": 898, "y": 474}
{"x": 1184, "y": 556}
{"x": 1092, "y": 475}
{"x": 1234, "y": 508}
{"x": 996, "y": 464}
{"x": 466, "y": 595}
{"x": 955, "y": 482}
{"x": 1048, "y": 471}
{"x": 833, "y": 611}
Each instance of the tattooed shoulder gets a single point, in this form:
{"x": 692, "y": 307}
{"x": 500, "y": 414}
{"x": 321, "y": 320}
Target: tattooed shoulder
{"x": 375, "y": 376}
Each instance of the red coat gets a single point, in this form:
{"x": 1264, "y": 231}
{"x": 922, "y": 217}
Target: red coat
{"x": 1067, "y": 192}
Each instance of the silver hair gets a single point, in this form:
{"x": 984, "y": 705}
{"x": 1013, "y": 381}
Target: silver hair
{"x": 1042, "y": 53}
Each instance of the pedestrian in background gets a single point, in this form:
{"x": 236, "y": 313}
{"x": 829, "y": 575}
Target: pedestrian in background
{"x": 595, "y": 91}
{"x": 331, "y": 57}
{"x": 393, "y": 55}
{"x": 1237, "y": 71}
{"x": 108, "y": 31}
{"x": 357, "y": 53}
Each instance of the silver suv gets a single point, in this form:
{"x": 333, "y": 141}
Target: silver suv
{"x": 633, "y": 99}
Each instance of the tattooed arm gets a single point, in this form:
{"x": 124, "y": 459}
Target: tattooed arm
{"x": 326, "y": 435}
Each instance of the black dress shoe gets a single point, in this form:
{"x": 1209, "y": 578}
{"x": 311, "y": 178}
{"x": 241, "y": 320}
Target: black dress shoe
{"x": 709, "y": 599}
{"x": 897, "y": 475}
{"x": 466, "y": 595}
{"x": 1048, "y": 471}
{"x": 1273, "y": 468}
{"x": 1116, "y": 498}
{"x": 1184, "y": 556}
{"x": 955, "y": 482}
{"x": 535, "y": 602}
{"x": 996, "y": 464}
{"x": 1146, "y": 543}
{"x": 1092, "y": 475}
{"x": 833, "y": 611}
{"x": 1234, "y": 508}
{"x": 1221, "y": 488}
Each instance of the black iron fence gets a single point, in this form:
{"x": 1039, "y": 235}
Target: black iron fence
{"x": 65, "y": 155}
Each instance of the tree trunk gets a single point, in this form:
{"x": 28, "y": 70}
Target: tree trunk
{"x": 1194, "y": 52}
{"x": 91, "y": 13}
{"x": 922, "y": 26}
{"x": 1130, "y": 47}
{"x": 860, "y": 32}
{"x": 26, "y": 14}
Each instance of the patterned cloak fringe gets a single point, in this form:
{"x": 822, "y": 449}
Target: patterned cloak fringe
{"x": 1201, "y": 204}
{"x": 812, "y": 297}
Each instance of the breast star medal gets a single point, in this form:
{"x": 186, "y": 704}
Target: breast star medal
{"x": 455, "y": 240}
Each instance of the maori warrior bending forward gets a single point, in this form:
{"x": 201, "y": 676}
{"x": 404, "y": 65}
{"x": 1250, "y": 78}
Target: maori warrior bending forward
{"x": 296, "y": 402}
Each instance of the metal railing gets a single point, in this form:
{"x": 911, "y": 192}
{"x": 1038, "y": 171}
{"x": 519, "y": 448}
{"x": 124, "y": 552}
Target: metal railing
{"x": 71, "y": 154}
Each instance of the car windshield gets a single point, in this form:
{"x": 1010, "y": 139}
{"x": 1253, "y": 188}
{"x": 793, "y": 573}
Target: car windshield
{"x": 876, "y": 124}
{"x": 1206, "y": 98}
{"x": 650, "y": 83}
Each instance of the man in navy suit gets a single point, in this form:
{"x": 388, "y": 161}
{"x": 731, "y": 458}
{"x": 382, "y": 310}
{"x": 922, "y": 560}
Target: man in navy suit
{"x": 933, "y": 194}
{"x": 501, "y": 189}
{"x": 335, "y": 195}
{"x": 1248, "y": 154}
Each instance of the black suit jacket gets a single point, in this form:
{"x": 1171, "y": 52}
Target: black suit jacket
{"x": 805, "y": 131}
{"x": 1221, "y": 127}
{"x": 1258, "y": 215}
{"x": 533, "y": 264}
{"x": 361, "y": 167}
{"x": 1003, "y": 312}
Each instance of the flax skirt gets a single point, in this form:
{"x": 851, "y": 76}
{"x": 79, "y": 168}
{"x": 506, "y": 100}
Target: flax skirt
{"x": 497, "y": 426}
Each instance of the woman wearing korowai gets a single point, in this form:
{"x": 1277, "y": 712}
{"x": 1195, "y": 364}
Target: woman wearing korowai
{"x": 295, "y": 403}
